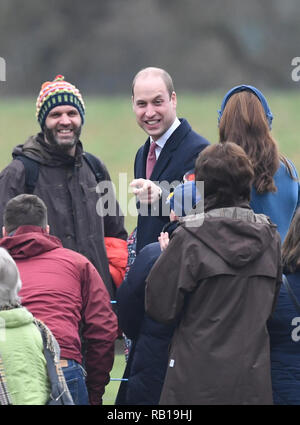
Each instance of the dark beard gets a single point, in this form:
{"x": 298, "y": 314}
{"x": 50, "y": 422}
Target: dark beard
{"x": 64, "y": 147}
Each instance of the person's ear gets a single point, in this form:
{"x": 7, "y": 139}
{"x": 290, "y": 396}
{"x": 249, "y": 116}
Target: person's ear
{"x": 174, "y": 99}
{"x": 173, "y": 216}
{"x": 4, "y": 233}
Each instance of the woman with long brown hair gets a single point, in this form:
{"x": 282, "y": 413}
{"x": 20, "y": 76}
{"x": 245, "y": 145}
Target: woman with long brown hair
{"x": 217, "y": 282}
{"x": 246, "y": 119}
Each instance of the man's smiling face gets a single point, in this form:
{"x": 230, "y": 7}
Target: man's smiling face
{"x": 63, "y": 128}
{"x": 153, "y": 106}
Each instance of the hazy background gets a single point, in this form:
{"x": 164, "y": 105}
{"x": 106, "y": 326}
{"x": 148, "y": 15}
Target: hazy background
{"x": 100, "y": 45}
{"x": 207, "y": 46}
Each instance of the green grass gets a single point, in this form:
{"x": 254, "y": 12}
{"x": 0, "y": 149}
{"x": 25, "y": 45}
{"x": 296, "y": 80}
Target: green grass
{"x": 111, "y": 132}
{"x": 112, "y": 388}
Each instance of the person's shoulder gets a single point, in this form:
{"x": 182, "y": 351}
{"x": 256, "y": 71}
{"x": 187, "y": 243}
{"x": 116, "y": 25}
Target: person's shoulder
{"x": 141, "y": 149}
{"x": 201, "y": 140}
{"x": 146, "y": 257}
{"x": 96, "y": 166}
{"x": 93, "y": 159}
{"x": 92, "y": 156}
{"x": 13, "y": 168}
{"x": 193, "y": 136}
{"x": 79, "y": 260}
{"x": 283, "y": 169}
{"x": 152, "y": 249}
{"x": 292, "y": 166}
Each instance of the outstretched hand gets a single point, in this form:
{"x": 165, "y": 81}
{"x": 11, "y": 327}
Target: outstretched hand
{"x": 146, "y": 191}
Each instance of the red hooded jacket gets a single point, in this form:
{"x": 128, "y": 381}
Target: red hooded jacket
{"x": 64, "y": 290}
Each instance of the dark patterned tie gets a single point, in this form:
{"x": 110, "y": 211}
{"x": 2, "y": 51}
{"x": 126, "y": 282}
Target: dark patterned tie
{"x": 151, "y": 160}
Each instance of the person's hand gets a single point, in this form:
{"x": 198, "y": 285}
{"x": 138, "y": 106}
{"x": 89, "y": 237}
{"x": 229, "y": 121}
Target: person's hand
{"x": 163, "y": 240}
{"x": 146, "y": 191}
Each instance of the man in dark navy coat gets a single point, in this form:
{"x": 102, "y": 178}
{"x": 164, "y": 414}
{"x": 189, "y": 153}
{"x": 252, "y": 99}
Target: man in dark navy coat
{"x": 176, "y": 147}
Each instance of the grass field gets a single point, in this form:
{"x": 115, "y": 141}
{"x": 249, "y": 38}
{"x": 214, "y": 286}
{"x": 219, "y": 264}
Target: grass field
{"x": 110, "y": 132}
{"x": 117, "y": 372}
{"x": 112, "y": 388}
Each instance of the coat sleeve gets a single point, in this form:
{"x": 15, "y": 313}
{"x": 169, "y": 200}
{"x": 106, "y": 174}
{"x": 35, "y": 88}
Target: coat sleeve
{"x": 279, "y": 276}
{"x": 298, "y": 201}
{"x": 117, "y": 254}
{"x": 295, "y": 174}
{"x": 114, "y": 222}
{"x": 172, "y": 277}
{"x": 131, "y": 294}
{"x": 99, "y": 332}
{"x": 12, "y": 183}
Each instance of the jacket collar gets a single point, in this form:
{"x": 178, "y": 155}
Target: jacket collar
{"x": 168, "y": 150}
{"x": 37, "y": 149}
{"x": 242, "y": 212}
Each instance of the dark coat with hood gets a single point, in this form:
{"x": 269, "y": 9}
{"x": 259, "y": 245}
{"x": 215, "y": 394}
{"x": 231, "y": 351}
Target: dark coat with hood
{"x": 284, "y": 333}
{"x": 67, "y": 186}
{"x": 220, "y": 277}
{"x": 148, "y": 356}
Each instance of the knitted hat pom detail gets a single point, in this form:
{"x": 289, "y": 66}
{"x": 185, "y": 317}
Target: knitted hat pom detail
{"x": 57, "y": 93}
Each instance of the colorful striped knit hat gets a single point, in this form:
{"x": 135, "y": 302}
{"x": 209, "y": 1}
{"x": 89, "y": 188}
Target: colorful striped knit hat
{"x": 56, "y": 93}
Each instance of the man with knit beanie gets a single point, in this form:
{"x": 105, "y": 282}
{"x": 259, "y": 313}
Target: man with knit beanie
{"x": 53, "y": 166}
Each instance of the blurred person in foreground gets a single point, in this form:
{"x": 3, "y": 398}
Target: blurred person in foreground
{"x": 54, "y": 166}
{"x": 63, "y": 289}
{"x": 150, "y": 340}
{"x": 245, "y": 118}
{"x": 218, "y": 278}
{"x": 169, "y": 152}
{"x": 284, "y": 326}
{"x": 30, "y": 373}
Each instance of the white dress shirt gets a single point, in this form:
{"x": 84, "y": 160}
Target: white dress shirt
{"x": 162, "y": 140}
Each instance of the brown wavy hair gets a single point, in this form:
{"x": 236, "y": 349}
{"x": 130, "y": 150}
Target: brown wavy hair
{"x": 291, "y": 246}
{"x": 227, "y": 173}
{"x": 244, "y": 122}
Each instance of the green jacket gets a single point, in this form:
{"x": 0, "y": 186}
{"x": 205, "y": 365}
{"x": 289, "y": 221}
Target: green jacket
{"x": 21, "y": 348}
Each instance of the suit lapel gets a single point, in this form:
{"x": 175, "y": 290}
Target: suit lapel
{"x": 169, "y": 150}
{"x": 145, "y": 154}
{"x": 140, "y": 161}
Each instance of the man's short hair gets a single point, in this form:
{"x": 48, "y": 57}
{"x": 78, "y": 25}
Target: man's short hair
{"x": 158, "y": 72}
{"x": 25, "y": 210}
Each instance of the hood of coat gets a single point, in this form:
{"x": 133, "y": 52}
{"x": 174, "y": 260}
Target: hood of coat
{"x": 29, "y": 241}
{"x": 37, "y": 149}
{"x": 16, "y": 317}
{"x": 237, "y": 235}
